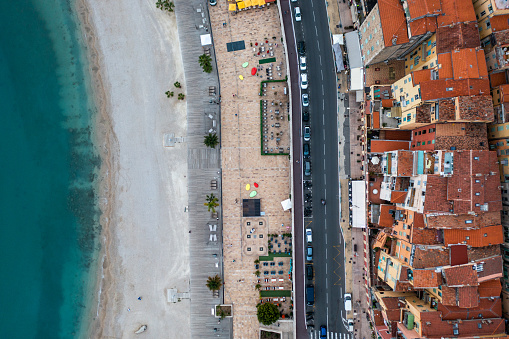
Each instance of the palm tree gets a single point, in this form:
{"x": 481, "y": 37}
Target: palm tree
{"x": 177, "y": 84}
{"x": 257, "y": 273}
{"x": 205, "y": 62}
{"x": 214, "y": 283}
{"x": 169, "y": 94}
{"x": 211, "y": 140}
{"x": 181, "y": 96}
{"x": 258, "y": 286}
{"x": 212, "y": 203}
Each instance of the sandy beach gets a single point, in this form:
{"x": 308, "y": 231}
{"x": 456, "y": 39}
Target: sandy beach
{"x": 145, "y": 228}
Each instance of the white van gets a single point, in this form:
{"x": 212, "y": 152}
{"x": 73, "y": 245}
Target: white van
{"x": 298, "y": 16}
{"x": 348, "y": 302}
{"x": 350, "y": 325}
{"x": 309, "y": 237}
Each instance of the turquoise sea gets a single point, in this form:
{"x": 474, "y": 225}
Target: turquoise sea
{"x": 48, "y": 173}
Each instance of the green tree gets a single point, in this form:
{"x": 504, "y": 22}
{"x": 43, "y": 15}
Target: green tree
{"x": 212, "y": 203}
{"x": 169, "y": 94}
{"x": 257, "y": 273}
{"x": 165, "y": 5}
{"x": 181, "y": 96}
{"x": 267, "y": 313}
{"x": 211, "y": 140}
{"x": 214, "y": 283}
{"x": 258, "y": 286}
{"x": 177, "y": 84}
{"x": 205, "y": 62}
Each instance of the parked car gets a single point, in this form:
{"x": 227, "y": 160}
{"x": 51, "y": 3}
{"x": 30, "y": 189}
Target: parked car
{"x": 307, "y": 168}
{"x": 306, "y": 151}
{"x": 301, "y": 47}
{"x": 305, "y": 116}
{"x": 350, "y": 325}
{"x": 304, "y": 80}
{"x": 323, "y": 332}
{"x": 309, "y": 236}
{"x": 309, "y": 272}
{"x": 310, "y": 295}
{"x": 307, "y": 133}
{"x": 348, "y": 302}
{"x": 305, "y": 100}
{"x": 298, "y": 16}
{"x": 303, "y": 65}
{"x": 309, "y": 253}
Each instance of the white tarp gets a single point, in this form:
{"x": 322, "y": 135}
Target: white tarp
{"x": 206, "y": 39}
{"x": 353, "y": 48}
{"x": 287, "y": 204}
{"x": 357, "y": 79}
{"x": 338, "y": 39}
{"x": 358, "y": 205}
{"x": 338, "y": 53}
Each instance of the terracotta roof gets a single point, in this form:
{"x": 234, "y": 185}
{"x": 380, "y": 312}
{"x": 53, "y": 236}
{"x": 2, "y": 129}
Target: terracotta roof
{"x": 381, "y": 239}
{"x": 423, "y": 25}
{"x": 445, "y": 68}
{"x": 475, "y": 108}
{"x": 479, "y": 253}
{"x": 425, "y": 236}
{"x": 397, "y": 135}
{"x": 376, "y": 119}
{"x": 449, "y": 296}
{"x": 456, "y": 11}
{"x": 437, "y": 89}
{"x": 457, "y": 37}
{"x": 504, "y": 91}
{"x": 426, "y": 278}
{"x": 392, "y": 18}
{"x": 458, "y": 221}
{"x": 398, "y": 197}
{"x": 405, "y": 163}
{"x": 486, "y": 236}
{"x": 468, "y": 297}
{"x": 459, "y": 255}
{"x": 459, "y": 276}
{"x": 499, "y": 22}
{"x": 491, "y": 268}
{"x": 387, "y": 103}
{"x": 418, "y": 8}
{"x": 490, "y": 288}
{"x": 381, "y": 146}
{"x": 466, "y": 63}
{"x": 420, "y": 76}
{"x": 386, "y": 219}
{"x": 467, "y": 328}
{"x": 497, "y": 79}
{"x": 436, "y": 195}
{"x": 486, "y": 308}
{"x": 429, "y": 256}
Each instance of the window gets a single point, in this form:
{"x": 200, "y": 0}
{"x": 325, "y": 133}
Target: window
{"x": 405, "y": 81}
{"x": 261, "y": 236}
{"x": 429, "y": 53}
{"x": 476, "y": 158}
{"x": 448, "y": 89}
{"x": 477, "y": 193}
{"x": 483, "y": 13}
{"x": 429, "y": 142}
{"x": 260, "y": 223}
{"x": 439, "y": 293}
{"x": 416, "y": 97}
{"x": 488, "y": 24}
{"x": 372, "y": 48}
{"x": 407, "y": 248}
{"x": 370, "y": 37}
{"x": 500, "y": 128}
{"x": 406, "y": 259}
{"x": 469, "y": 221}
{"x": 261, "y": 248}
{"x": 249, "y": 249}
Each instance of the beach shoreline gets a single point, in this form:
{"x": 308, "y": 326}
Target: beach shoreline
{"x": 105, "y": 141}
{"x": 135, "y": 206}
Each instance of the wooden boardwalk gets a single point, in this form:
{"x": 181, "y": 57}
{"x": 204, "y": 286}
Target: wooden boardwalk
{"x": 203, "y": 116}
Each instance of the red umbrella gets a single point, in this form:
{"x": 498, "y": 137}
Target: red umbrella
{"x": 255, "y": 185}
{"x": 253, "y": 71}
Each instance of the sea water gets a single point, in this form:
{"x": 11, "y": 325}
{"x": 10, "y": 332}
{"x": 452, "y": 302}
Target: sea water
{"x": 48, "y": 172}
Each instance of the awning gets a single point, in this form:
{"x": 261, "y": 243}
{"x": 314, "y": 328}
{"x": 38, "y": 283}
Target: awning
{"x": 337, "y": 39}
{"x": 248, "y": 3}
{"x": 339, "y": 58}
{"x": 287, "y": 204}
{"x": 357, "y": 79}
{"x": 241, "y": 4}
{"x": 206, "y": 39}
{"x": 358, "y": 204}
{"x": 232, "y": 7}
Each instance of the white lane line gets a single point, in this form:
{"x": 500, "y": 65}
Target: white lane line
{"x": 323, "y": 122}
{"x": 316, "y": 31}
{"x": 318, "y": 42}
{"x": 323, "y": 164}
{"x": 323, "y": 93}
{"x": 321, "y": 72}
{"x": 325, "y": 238}
{"x": 323, "y": 104}
{"x": 314, "y": 18}
{"x": 320, "y": 59}
{"x": 323, "y": 149}
{"x": 324, "y": 178}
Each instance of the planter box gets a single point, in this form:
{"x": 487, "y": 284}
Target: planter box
{"x": 228, "y": 309}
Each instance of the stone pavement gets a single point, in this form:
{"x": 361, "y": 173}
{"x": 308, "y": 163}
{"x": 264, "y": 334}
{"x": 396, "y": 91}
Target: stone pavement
{"x": 242, "y": 162}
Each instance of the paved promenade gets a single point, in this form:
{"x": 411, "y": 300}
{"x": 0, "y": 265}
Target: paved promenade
{"x": 241, "y": 157}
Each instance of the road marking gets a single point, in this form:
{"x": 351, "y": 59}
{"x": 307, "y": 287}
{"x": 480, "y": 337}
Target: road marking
{"x": 321, "y": 72}
{"x": 323, "y": 93}
{"x": 318, "y": 42}
{"x": 320, "y": 59}
{"x": 316, "y": 31}
{"x": 323, "y": 104}
{"x": 325, "y": 238}
{"x": 326, "y": 253}
{"x": 314, "y": 18}
{"x": 323, "y": 149}
{"x": 324, "y": 177}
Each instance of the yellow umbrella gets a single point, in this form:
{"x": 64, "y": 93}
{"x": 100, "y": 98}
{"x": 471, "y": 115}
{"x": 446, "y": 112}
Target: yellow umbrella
{"x": 247, "y": 3}
{"x": 241, "y": 77}
{"x": 248, "y": 187}
{"x": 261, "y": 2}
{"x": 241, "y": 5}
{"x": 232, "y": 7}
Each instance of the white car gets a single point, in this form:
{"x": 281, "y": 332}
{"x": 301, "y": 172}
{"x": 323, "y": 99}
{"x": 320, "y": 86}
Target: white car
{"x": 305, "y": 100}
{"x": 309, "y": 237}
{"x": 304, "y": 80}
{"x": 303, "y": 65}
{"x": 298, "y": 16}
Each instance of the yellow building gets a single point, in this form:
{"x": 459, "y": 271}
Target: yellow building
{"x": 423, "y": 56}
{"x": 498, "y": 135}
{"x": 484, "y": 11}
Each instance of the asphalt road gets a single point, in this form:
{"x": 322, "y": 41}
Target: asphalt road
{"x": 328, "y": 260}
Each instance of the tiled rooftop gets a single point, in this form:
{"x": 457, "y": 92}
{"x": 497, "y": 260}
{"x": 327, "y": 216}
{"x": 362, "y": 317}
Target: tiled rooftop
{"x": 436, "y": 195}
{"x": 459, "y": 276}
{"x": 441, "y": 88}
{"x": 430, "y": 256}
{"x": 499, "y": 22}
{"x": 427, "y": 278}
{"x": 486, "y": 236}
{"x": 386, "y": 218}
{"x": 465, "y": 35}
{"x": 490, "y": 288}
{"x": 455, "y": 12}
{"x": 468, "y": 297}
{"x": 486, "y": 308}
{"x": 463, "y": 221}
{"x": 392, "y": 17}
{"x": 491, "y": 268}
{"x": 381, "y": 146}
{"x": 479, "y": 253}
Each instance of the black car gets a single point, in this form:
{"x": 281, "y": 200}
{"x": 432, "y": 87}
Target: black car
{"x": 305, "y": 116}
{"x": 309, "y": 272}
{"x": 301, "y": 47}
{"x": 306, "y": 151}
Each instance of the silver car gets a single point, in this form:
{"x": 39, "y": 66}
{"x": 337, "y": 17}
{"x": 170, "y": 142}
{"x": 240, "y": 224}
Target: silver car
{"x": 305, "y": 100}
{"x": 307, "y": 133}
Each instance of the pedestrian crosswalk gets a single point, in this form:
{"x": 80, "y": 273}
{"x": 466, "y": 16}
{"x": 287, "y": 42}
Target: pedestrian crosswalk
{"x": 315, "y": 334}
